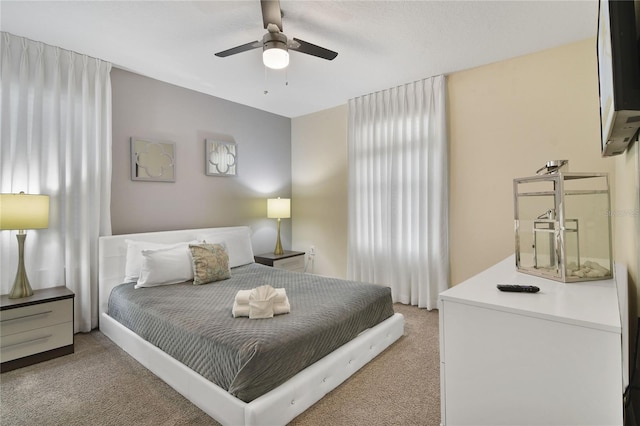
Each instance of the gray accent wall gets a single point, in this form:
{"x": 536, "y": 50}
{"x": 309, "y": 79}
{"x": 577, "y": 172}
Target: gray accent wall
{"x": 150, "y": 109}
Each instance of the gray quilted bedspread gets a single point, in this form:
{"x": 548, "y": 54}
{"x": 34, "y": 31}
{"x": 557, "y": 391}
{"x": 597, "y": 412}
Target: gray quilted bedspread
{"x": 249, "y": 357}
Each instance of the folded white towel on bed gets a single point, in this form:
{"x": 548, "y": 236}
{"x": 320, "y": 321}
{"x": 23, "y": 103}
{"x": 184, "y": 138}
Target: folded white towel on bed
{"x": 243, "y": 310}
{"x": 261, "y": 302}
{"x": 242, "y": 297}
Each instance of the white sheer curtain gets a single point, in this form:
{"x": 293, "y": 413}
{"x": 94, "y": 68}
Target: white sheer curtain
{"x": 398, "y": 191}
{"x": 56, "y": 140}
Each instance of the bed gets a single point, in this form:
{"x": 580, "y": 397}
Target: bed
{"x": 273, "y": 404}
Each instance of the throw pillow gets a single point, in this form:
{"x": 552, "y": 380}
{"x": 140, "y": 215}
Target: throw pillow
{"x": 210, "y": 263}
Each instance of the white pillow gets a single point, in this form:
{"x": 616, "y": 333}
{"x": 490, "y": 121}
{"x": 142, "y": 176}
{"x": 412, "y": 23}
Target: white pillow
{"x": 165, "y": 266}
{"x": 237, "y": 243}
{"x": 134, "y": 257}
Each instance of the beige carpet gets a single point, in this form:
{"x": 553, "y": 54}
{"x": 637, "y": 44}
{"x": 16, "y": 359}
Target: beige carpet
{"x": 101, "y": 385}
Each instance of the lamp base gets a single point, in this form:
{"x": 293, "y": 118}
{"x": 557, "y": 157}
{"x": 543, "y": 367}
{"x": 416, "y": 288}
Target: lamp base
{"x": 21, "y": 287}
{"x": 278, "y": 251}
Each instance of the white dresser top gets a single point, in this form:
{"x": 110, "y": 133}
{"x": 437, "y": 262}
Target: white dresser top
{"x": 592, "y": 304}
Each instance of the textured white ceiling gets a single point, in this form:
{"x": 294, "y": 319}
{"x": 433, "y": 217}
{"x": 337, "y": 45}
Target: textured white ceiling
{"x": 381, "y": 44}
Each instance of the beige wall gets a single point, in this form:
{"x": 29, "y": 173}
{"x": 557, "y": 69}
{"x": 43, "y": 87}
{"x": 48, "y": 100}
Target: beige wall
{"x": 319, "y": 190}
{"x": 505, "y": 121}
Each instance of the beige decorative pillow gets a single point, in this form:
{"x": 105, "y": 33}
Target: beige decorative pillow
{"x": 210, "y": 263}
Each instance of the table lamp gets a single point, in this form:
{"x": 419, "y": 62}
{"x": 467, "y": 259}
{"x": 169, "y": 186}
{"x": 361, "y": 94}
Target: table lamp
{"x": 278, "y": 208}
{"x": 23, "y": 211}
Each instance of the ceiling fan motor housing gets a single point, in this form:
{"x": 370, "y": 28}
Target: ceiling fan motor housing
{"x": 274, "y": 41}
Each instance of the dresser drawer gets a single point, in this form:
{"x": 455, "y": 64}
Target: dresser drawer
{"x": 295, "y": 263}
{"x": 34, "y": 317}
{"x": 19, "y": 345}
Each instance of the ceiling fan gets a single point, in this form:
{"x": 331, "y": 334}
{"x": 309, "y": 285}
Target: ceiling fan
{"x": 275, "y": 45}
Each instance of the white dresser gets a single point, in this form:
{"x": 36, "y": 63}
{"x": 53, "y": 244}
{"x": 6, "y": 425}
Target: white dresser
{"x": 35, "y": 328}
{"x": 556, "y": 357}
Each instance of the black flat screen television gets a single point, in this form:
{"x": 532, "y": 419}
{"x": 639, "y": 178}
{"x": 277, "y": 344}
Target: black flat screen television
{"x": 619, "y": 73}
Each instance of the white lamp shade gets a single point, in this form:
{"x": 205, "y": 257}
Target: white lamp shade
{"x": 275, "y": 58}
{"x": 24, "y": 211}
{"x": 278, "y": 208}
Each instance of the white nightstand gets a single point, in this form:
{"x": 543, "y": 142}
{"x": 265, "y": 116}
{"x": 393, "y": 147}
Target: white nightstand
{"x": 35, "y": 328}
{"x": 289, "y": 260}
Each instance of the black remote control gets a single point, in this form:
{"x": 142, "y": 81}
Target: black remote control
{"x": 518, "y": 288}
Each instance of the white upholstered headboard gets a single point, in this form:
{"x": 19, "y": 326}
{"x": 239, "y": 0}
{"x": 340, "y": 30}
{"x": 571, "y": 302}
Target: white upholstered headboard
{"x": 112, "y": 254}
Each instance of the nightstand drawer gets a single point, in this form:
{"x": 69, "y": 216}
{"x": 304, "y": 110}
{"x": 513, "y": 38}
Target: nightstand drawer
{"x": 19, "y": 345}
{"x": 35, "y": 328}
{"x": 33, "y": 317}
{"x": 295, "y": 263}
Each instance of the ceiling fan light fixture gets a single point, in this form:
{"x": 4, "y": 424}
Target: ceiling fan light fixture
{"x": 275, "y": 57}
{"x": 276, "y": 45}
{"x": 275, "y": 53}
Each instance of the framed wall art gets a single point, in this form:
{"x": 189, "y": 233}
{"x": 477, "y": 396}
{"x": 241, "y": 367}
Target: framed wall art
{"x": 221, "y": 158}
{"x": 153, "y": 160}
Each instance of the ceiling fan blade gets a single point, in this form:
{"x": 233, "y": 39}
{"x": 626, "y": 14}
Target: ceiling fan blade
{"x": 239, "y": 49}
{"x": 271, "y": 13}
{"x": 312, "y": 49}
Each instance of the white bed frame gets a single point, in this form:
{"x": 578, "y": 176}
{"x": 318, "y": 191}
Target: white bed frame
{"x": 276, "y": 407}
